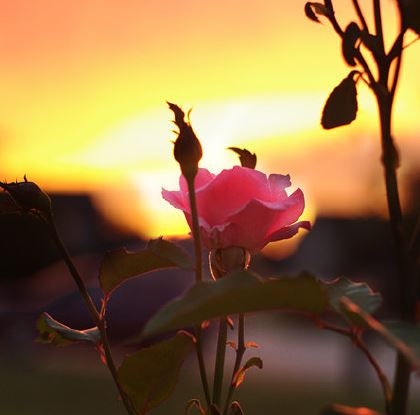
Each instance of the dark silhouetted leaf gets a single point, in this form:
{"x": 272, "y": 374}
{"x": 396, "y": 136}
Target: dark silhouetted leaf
{"x": 150, "y": 375}
{"x": 120, "y": 265}
{"x": 403, "y": 337}
{"x": 358, "y": 292}
{"x": 54, "y": 332}
{"x": 239, "y": 292}
{"x": 341, "y": 106}
{"x": 350, "y": 37}
{"x": 411, "y": 10}
{"x": 194, "y": 404}
{"x": 246, "y": 158}
{"x": 28, "y": 196}
{"x": 239, "y": 376}
{"x": 310, "y": 14}
{"x": 313, "y": 9}
{"x": 235, "y": 409}
{"x": 370, "y": 41}
{"x": 347, "y": 410}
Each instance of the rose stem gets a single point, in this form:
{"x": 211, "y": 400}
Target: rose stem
{"x": 198, "y": 278}
{"x": 385, "y": 99}
{"x": 359, "y": 343}
{"x": 93, "y": 311}
{"x": 240, "y": 351}
{"x": 407, "y": 280}
{"x": 220, "y": 361}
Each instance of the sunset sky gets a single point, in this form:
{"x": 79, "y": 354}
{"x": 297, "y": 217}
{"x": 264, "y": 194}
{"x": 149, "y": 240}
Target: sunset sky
{"x": 84, "y": 84}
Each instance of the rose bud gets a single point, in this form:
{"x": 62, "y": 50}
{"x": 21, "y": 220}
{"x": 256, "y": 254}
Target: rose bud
{"x": 225, "y": 260}
{"x": 28, "y": 196}
{"x": 241, "y": 207}
{"x": 187, "y": 148}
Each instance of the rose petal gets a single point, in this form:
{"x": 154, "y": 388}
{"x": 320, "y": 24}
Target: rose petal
{"x": 229, "y": 191}
{"x": 203, "y": 177}
{"x": 295, "y": 205}
{"x": 287, "y": 232}
{"x": 176, "y": 199}
{"x": 279, "y": 182}
{"x": 250, "y": 226}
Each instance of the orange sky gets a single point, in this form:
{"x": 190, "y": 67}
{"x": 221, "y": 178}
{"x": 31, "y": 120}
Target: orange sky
{"x": 84, "y": 84}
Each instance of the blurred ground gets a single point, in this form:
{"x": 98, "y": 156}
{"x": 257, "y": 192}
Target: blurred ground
{"x": 305, "y": 369}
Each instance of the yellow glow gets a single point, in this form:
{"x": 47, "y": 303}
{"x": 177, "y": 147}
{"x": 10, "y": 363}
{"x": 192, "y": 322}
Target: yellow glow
{"x": 83, "y": 102}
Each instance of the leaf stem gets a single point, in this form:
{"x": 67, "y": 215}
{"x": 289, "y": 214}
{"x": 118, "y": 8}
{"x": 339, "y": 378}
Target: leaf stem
{"x": 93, "y": 311}
{"x": 378, "y": 23}
{"x": 240, "y": 351}
{"x": 359, "y": 343}
{"x": 198, "y": 277}
{"x": 195, "y": 230}
{"x": 360, "y": 15}
{"x": 201, "y": 364}
{"x": 407, "y": 280}
{"x": 220, "y": 361}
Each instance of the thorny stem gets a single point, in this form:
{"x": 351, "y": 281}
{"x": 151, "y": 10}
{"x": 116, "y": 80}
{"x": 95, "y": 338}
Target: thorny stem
{"x": 198, "y": 278}
{"x": 220, "y": 362}
{"x": 240, "y": 351}
{"x": 407, "y": 280}
{"x": 93, "y": 311}
{"x": 385, "y": 95}
{"x": 360, "y": 344}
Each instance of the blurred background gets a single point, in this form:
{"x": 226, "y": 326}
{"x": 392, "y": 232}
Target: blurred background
{"x": 83, "y": 114}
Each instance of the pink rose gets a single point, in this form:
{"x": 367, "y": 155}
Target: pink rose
{"x": 241, "y": 207}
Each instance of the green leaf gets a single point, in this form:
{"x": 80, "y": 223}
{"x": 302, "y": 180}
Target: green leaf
{"x": 52, "y": 331}
{"x": 120, "y": 265}
{"x": 150, "y": 375}
{"x": 350, "y": 37}
{"x": 336, "y": 409}
{"x": 341, "y": 106}
{"x": 358, "y": 292}
{"x": 246, "y": 158}
{"x": 403, "y": 337}
{"x": 238, "y": 292}
{"x": 407, "y": 333}
{"x": 239, "y": 376}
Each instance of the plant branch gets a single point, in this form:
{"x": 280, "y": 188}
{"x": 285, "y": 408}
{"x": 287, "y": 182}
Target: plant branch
{"x": 399, "y": 47}
{"x": 240, "y": 351}
{"x": 195, "y": 231}
{"x": 359, "y": 343}
{"x": 360, "y": 15}
{"x": 386, "y": 386}
{"x": 378, "y": 24}
{"x": 201, "y": 364}
{"x": 220, "y": 361}
{"x": 358, "y": 54}
{"x": 198, "y": 277}
{"x": 93, "y": 311}
{"x": 407, "y": 290}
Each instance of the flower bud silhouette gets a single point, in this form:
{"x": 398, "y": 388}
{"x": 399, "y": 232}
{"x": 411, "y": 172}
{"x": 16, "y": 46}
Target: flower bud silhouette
{"x": 187, "y": 148}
